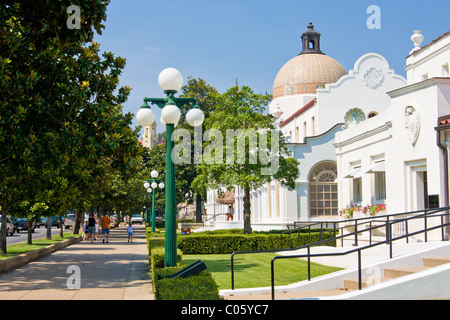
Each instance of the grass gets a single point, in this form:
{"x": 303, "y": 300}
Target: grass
{"x": 253, "y": 270}
{"x": 19, "y": 248}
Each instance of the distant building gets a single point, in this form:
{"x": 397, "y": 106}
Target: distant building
{"x": 150, "y": 138}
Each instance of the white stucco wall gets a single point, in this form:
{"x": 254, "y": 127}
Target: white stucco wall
{"x": 355, "y": 90}
{"x": 429, "y": 62}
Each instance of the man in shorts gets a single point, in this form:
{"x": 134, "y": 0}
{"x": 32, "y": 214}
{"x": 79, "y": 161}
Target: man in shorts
{"x": 105, "y": 221}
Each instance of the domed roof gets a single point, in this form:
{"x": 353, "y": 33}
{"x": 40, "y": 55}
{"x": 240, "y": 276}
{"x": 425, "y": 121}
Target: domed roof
{"x": 310, "y": 70}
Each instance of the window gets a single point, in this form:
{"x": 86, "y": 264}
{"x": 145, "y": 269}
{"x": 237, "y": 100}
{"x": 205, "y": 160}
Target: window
{"x": 372, "y": 114}
{"x": 313, "y": 120}
{"x": 380, "y": 186}
{"x": 357, "y": 190}
{"x": 445, "y": 72}
{"x": 304, "y": 130}
{"x": 323, "y": 193}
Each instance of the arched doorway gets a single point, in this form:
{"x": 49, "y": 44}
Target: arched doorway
{"x": 323, "y": 191}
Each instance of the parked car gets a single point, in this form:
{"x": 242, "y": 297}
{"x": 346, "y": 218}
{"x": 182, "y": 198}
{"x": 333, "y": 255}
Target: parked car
{"x": 136, "y": 218}
{"x": 70, "y": 221}
{"x": 21, "y": 224}
{"x": 56, "y": 222}
{"x": 9, "y": 224}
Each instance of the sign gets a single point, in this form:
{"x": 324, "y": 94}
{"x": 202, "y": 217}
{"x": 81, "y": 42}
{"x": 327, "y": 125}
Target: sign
{"x": 185, "y": 231}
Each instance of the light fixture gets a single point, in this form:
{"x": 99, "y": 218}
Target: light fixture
{"x": 154, "y": 174}
{"x": 154, "y": 185}
{"x": 145, "y": 116}
{"x": 195, "y": 116}
{"x": 146, "y": 185}
{"x": 170, "y": 80}
{"x": 170, "y": 114}
{"x": 161, "y": 185}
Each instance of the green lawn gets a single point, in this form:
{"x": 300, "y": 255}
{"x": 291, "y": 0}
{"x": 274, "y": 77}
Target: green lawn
{"x": 19, "y": 248}
{"x": 253, "y": 270}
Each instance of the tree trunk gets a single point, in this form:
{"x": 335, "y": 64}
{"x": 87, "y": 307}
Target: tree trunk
{"x": 247, "y": 212}
{"x": 198, "y": 208}
{"x": 61, "y": 229}
{"x": 49, "y": 228}
{"x": 78, "y": 222}
{"x": 30, "y": 230}
{"x": 3, "y": 231}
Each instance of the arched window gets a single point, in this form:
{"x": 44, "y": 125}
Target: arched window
{"x": 323, "y": 193}
{"x": 372, "y": 114}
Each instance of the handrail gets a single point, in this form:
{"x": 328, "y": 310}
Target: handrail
{"x": 360, "y": 249}
{"x": 355, "y": 233}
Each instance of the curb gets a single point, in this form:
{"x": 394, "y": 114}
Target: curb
{"x": 24, "y": 258}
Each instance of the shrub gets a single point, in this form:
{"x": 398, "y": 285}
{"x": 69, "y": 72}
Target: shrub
{"x": 200, "y": 287}
{"x": 229, "y": 243}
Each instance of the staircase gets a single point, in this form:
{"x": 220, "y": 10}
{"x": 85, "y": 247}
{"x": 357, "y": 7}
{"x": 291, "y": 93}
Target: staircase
{"x": 393, "y": 273}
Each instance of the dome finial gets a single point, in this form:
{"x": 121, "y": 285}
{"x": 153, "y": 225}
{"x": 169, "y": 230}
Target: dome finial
{"x": 311, "y": 40}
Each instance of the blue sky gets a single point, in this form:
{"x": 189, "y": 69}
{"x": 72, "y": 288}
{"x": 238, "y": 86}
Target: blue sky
{"x": 218, "y": 39}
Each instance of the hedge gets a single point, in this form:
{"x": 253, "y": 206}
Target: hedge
{"x": 200, "y": 287}
{"x": 229, "y": 243}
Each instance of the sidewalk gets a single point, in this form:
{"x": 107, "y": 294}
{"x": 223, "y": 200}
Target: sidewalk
{"x": 117, "y": 270}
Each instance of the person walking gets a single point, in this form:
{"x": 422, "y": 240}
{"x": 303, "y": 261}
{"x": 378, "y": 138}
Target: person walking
{"x": 105, "y": 221}
{"x": 130, "y": 232}
{"x": 91, "y": 227}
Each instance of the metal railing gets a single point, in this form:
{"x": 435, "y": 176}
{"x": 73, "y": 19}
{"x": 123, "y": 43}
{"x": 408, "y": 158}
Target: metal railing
{"x": 387, "y": 222}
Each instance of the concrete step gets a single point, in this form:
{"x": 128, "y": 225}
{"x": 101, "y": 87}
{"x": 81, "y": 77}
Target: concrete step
{"x": 393, "y": 273}
{"x": 436, "y": 261}
{"x": 352, "y": 284}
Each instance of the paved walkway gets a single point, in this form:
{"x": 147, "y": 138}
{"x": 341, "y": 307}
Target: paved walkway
{"x": 117, "y": 270}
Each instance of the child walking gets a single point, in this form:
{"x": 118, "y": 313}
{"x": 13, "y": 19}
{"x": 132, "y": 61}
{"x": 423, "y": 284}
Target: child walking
{"x": 130, "y": 232}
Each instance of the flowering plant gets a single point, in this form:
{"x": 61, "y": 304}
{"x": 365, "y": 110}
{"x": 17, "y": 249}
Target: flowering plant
{"x": 347, "y": 213}
{"x": 373, "y": 210}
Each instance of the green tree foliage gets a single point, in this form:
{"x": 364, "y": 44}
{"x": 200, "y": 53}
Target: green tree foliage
{"x": 62, "y": 130}
{"x": 225, "y": 164}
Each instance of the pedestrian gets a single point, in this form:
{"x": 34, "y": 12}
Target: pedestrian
{"x": 91, "y": 227}
{"x": 97, "y": 227}
{"x": 86, "y": 230}
{"x": 130, "y": 232}
{"x": 105, "y": 222}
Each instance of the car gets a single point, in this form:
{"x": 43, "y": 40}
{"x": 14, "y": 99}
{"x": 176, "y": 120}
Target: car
{"x": 9, "y": 224}
{"x": 56, "y": 222}
{"x": 21, "y": 224}
{"x": 70, "y": 221}
{"x": 136, "y": 218}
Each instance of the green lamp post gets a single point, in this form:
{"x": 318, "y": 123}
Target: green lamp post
{"x": 170, "y": 80}
{"x": 151, "y": 185}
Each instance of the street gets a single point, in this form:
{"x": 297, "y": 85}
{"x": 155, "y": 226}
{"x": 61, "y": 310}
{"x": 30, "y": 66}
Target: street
{"x": 39, "y": 233}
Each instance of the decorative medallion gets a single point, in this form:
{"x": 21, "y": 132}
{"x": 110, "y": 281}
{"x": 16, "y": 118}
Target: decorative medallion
{"x": 373, "y": 78}
{"x": 353, "y": 117}
{"x": 412, "y": 124}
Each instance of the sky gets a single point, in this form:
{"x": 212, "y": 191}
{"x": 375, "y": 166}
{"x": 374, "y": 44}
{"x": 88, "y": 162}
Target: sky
{"x": 218, "y": 39}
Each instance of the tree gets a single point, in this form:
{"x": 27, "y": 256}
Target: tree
{"x": 254, "y": 153}
{"x": 196, "y": 88}
{"x": 61, "y": 123}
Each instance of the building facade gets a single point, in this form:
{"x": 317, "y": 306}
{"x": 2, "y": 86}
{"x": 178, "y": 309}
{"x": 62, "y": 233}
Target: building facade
{"x": 358, "y": 135}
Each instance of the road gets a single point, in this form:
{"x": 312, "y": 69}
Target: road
{"x": 38, "y": 234}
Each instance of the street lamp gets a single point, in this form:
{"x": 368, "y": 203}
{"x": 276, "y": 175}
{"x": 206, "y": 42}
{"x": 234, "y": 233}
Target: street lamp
{"x": 170, "y": 80}
{"x": 151, "y": 185}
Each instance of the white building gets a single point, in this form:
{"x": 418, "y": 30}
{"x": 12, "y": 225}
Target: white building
{"x": 400, "y": 157}
{"x": 347, "y": 130}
